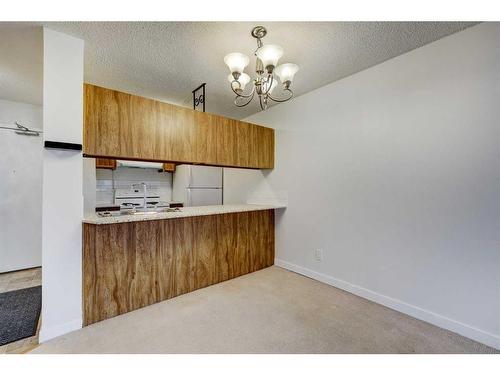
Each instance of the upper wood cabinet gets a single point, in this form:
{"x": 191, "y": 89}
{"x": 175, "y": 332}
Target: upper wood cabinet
{"x": 265, "y": 146}
{"x": 226, "y": 141}
{"x": 206, "y": 137}
{"x": 168, "y": 167}
{"x": 105, "y": 163}
{"x": 119, "y": 125}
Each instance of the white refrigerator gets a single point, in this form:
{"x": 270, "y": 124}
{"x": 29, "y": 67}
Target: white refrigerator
{"x": 196, "y": 185}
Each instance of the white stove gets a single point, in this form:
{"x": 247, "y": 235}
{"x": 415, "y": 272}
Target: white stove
{"x": 134, "y": 198}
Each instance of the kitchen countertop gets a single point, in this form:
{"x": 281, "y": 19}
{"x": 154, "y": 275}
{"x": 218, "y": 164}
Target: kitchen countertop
{"x": 184, "y": 212}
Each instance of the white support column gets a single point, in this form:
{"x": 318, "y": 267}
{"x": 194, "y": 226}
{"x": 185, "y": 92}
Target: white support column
{"x": 62, "y": 207}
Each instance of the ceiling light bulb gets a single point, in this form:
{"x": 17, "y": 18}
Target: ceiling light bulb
{"x": 269, "y": 55}
{"x": 236, "y": 62}
{"x": 286, "y": 72}
{"x": 243, "y": 79}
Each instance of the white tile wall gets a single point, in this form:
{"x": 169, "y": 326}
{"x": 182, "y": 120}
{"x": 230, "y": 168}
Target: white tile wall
{"x": 123, "y": 177}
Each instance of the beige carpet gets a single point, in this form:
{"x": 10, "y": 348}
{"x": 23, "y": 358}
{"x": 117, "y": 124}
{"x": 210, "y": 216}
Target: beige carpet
{"x": 269, "y": 311}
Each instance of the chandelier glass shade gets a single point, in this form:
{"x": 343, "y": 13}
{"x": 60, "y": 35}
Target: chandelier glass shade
{"x": 236, "y": 62}
{"x": 269, "y": 55}
{"x": 267, "y": 73}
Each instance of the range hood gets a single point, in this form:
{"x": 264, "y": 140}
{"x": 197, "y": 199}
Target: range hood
{"x": 139, "y": 164}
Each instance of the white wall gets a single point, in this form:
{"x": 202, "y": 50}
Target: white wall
{"x": 239, "y": 184}
{"x": 395, "y": 173}
{"x": 62, "y": 202}
{"x": 26, "y": 114}
{"x": 89, "y": 186}
{"x": 248, "y": 186}
{"x": 20, "y": 188}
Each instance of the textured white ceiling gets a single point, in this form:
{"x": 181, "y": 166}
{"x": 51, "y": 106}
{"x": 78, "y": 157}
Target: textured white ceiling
{"x": 167, "y": 60}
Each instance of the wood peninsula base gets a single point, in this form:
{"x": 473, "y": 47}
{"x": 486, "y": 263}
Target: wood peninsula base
{"x": 130, "y": 265}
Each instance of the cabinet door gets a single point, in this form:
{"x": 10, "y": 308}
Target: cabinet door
{"x": 238, "y": 144}
{"x": 252, "y": 145}
{"x": 118, "y": 124}
{"x": 163, "y": 144}
{"x": 137, "y": 126}
{"x": 123, "y": 125}
{"x": 205, "y": 138}
{"x": 243, "y": 144}
{"x": 226, "y": 141}
{"x": 182, "y": 134}
{"x": 101, "y": 135}
{"x": 174, "y": 133}
{"x": 265, "y": 141}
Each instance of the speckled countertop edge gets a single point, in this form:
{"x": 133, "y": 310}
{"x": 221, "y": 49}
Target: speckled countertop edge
{"x": 185, "y": 212}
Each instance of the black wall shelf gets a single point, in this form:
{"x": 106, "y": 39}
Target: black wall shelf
{"x": 63, "y": 146}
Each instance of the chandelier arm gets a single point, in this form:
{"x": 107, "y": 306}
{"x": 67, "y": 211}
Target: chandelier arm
{"x": 240, "y": 94}
{"x": 290, "y": 93}
{"x": 269, "y": 84}
{"x": 244, "y": 104}
{"x": 263, "y": 106}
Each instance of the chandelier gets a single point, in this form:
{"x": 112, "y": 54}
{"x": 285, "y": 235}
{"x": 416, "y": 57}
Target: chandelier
{"x": 266, "y": 70}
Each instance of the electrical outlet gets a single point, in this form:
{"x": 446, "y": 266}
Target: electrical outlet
{"x": 318, "y": 255}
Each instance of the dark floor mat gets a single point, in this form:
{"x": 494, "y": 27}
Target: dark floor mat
{"x": 19, "y": 313}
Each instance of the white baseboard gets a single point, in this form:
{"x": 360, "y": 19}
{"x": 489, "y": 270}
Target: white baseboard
{"x": 47, "y": 333}
{"x": 414, "y": 311}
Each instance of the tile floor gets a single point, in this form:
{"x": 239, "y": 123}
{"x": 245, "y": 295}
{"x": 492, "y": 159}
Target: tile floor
{"x": 18, "y": 280}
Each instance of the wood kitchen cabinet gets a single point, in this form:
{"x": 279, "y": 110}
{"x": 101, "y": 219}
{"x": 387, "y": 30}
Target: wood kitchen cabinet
{"x": 265, "y": 144}
{"x": 226, "y": 141}
{"x": 168, "y": 167}
{"x": 206, "y": 138}
{"x": 105, "y": 163}
{"x": 123, "y": 126}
